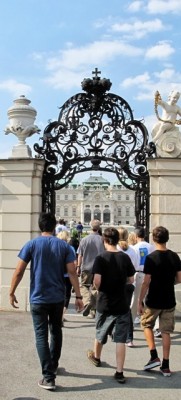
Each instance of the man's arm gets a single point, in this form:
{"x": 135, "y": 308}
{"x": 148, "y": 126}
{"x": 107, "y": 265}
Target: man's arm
{"x": 75, "y": 283}
{"x": 144, "y": 289}
{"x": 178, "y": 277}
{"x": 79, "y": 262}
{"x": 16, "y": 279}
{"x": 97, "y": 281}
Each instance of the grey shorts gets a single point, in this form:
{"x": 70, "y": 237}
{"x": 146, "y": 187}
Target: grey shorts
{"x": 114, "y": 325}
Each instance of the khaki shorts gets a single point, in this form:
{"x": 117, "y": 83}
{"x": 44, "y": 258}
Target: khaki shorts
{"x": 166, "y": 319}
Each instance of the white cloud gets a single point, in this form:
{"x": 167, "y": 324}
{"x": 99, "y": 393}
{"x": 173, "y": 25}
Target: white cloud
{"x": 147, "y": 84}
{"x": 68, "y": 67}
{"x": 14, "y": 87}
{"x": 137, "y": 80}
{"x": 139, "y": 29}
{"x": 168, "y": 74}
{"x": 163, "y": 6}
{"x": 95, "y": 53}
{"x": 160, "y": 51}
{"x": 135, "y": 6}
{"x": 65, "y": 79}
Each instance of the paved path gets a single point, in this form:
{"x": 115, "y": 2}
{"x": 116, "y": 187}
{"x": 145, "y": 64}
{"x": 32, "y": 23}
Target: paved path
{"x": 77, "y": 378}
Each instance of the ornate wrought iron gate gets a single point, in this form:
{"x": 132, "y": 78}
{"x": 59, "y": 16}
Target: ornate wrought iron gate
{"x": 96, "y": 130}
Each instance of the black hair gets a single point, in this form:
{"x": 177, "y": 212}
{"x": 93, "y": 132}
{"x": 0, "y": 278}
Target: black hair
{"x": 160, "y": 235}
{"x": 47, "y": 222}
{"x": 140, "y": 232}
{"x": 61, "y": 222}
{"x": 111, "y": 236}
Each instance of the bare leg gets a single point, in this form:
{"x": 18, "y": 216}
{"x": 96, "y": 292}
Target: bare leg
{"x": 166, "y": 341}
{"x": 97, "y": 349}
{"x": 149, "y": 336}
{"x": 120, "y": 356}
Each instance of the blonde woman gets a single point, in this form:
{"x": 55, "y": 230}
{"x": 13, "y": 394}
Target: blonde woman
{"x": 132, "y": 239}
{"x": 124, "y": 246}
{"x": 64, "y": 235}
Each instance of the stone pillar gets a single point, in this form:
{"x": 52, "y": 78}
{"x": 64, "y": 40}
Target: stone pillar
{"x": 20, "y": 205}
{"x": 165, "y": 202}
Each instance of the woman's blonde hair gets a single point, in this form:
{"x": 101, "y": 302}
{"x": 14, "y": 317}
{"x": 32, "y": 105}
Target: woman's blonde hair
{"x": 64, "y": 235}
{"x": 132, "y": 238}
{"x": 123, "y": 238}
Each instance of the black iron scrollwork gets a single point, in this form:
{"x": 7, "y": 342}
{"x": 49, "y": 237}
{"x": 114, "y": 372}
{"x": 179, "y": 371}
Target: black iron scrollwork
{"x": 95, "y": 130}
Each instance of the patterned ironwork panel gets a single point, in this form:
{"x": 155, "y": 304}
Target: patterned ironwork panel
{"x": 95, "y": 130}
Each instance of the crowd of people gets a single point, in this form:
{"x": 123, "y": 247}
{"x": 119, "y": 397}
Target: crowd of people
{"x": 117, "y": 278}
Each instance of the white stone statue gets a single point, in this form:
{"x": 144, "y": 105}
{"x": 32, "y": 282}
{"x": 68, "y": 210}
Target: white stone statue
{"x": 166, "y": 134}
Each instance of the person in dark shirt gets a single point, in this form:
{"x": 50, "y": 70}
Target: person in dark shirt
{"x": 112, "y": 270}
{"x": 162, "y": 270}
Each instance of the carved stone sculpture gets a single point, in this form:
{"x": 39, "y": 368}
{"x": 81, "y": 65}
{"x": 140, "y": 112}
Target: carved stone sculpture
{"x": 21, "y": 123}
{"x": 166, "y": 134}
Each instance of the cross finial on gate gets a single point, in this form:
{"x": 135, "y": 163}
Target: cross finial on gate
{"x": 96, "y": 72}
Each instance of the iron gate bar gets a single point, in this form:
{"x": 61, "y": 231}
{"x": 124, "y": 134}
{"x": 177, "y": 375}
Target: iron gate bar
{"x": 96, "y": 130}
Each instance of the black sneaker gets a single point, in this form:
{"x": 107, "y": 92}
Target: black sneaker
{"x": 119, "y": 377}
{"x": 92, "y": 359}
{"x": 152, "y": 364}
{"x": 86, "y": 310}
{"x": 47, "y": 385}
{"x": 165, "y": 371}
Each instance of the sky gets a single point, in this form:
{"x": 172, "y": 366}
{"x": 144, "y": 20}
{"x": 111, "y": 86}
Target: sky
{"x": 48, "y": 47}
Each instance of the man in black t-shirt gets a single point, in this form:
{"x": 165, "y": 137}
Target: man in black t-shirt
{"x": 162, "y": 270}
{"x": 112, "y": 270}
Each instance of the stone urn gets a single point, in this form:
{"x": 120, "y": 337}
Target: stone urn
{"x": 21, "y": 123}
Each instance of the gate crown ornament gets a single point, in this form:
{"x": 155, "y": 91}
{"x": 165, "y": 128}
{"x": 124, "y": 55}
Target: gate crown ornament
{"x": 96, "y": 85}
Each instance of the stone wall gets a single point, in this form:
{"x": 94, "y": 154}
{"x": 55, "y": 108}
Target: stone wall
{"x": 20, "y": 205}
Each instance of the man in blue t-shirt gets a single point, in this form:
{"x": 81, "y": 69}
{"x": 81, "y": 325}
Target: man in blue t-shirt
{"x": 49, "y": 257}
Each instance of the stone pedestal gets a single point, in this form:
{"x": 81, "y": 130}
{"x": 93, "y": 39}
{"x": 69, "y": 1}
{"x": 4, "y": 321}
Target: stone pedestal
{"x": 21, "y": 151}
{"x": 165, "y": 202}
{"x": 20, "y": 205}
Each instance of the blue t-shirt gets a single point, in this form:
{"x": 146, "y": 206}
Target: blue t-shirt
{"x": 48, "y": 256}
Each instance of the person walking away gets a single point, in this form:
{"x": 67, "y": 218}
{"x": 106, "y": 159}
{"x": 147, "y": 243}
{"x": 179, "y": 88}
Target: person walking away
{"x": 142, "y": 249}
{"x": 71, "y": 225}
{"x": 112, "y": 270}
{"x": 132, "y": 239}
{"x": 61, "y": 226}
{"x": 162, "y": 270}
{"x": 64, "y": 235}
{"x": 124, "y": 246}
{"x": 89, "y": 248}
{"x": 79, "y": 228}
{"x": 49, "y": 256}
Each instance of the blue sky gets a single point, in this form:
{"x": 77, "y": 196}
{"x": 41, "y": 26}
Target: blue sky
{"x": 48, "y": 47}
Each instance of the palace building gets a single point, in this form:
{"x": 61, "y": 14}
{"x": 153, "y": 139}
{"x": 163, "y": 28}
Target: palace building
{"x": 96, "y": 198}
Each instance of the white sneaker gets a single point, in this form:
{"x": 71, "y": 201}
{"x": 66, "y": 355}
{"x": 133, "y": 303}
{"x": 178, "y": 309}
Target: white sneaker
{"x": 91, "y": 314}
{"x": 137, "y": 320}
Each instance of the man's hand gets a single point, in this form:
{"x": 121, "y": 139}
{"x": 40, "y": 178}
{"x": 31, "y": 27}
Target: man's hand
{"x": 13, "y": 300}
{"x": 79, "y": 305}
{"x": 140, "y": 308}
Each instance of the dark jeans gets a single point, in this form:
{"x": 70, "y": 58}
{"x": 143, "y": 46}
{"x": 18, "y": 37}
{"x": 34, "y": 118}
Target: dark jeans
{"x": 47, "y": 319}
